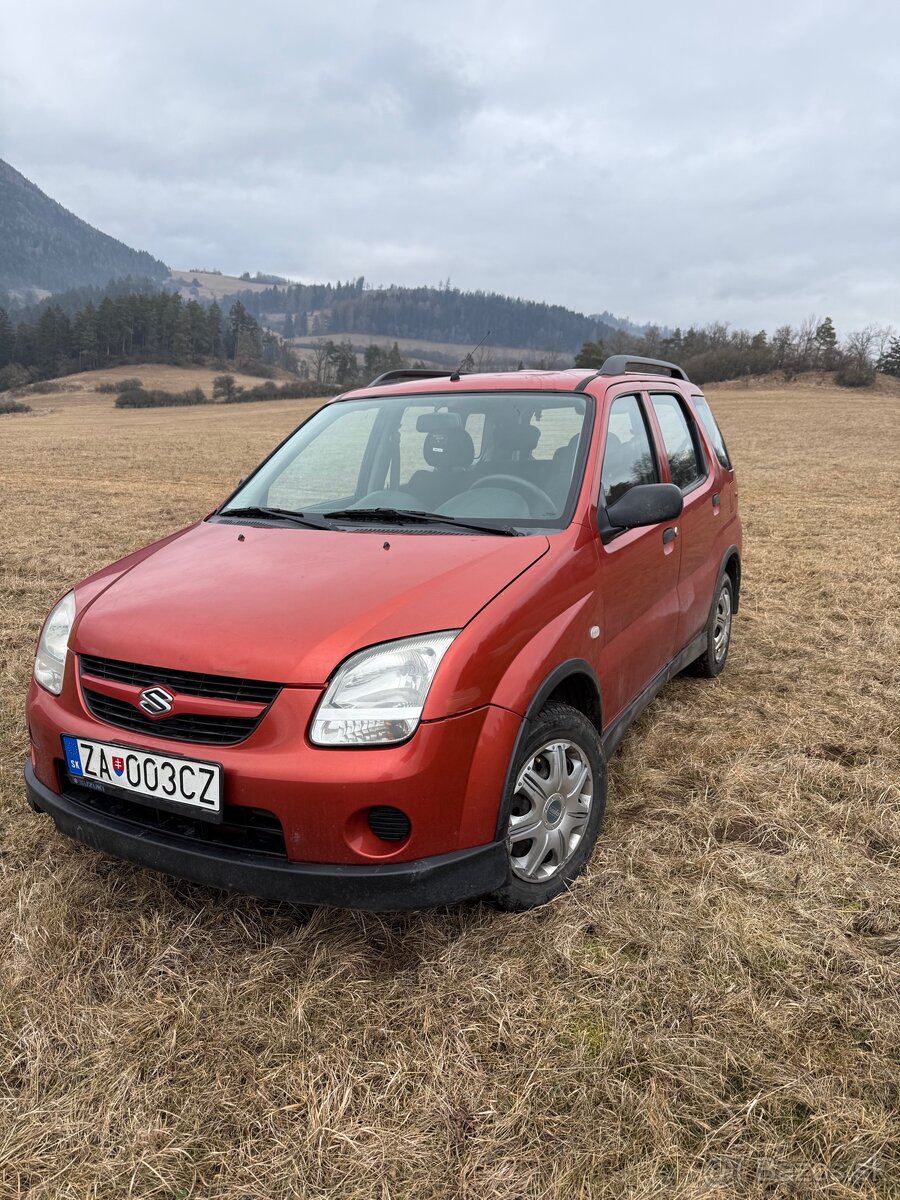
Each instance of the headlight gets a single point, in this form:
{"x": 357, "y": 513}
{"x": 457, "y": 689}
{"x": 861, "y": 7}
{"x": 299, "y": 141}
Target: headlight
{"x": 50, "y": 660}
{"x": 378, "y": 695}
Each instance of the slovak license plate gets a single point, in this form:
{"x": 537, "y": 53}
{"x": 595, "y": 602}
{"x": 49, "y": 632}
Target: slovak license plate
{"x": 168, "y": 782}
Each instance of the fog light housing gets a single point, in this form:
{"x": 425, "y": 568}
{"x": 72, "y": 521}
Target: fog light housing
{"x": 389, "y": 824}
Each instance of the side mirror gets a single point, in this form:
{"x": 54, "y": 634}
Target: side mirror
{"x": 646, "y": 504}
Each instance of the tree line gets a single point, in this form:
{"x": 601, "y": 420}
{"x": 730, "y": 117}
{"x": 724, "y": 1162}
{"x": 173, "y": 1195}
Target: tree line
{"x": 87, "y": 329}
{"x": 135, "y": 327}
{"x": 716, "y": 353}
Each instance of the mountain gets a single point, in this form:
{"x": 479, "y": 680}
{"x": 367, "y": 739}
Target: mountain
{"x": 45, "y": 248}
{"x": 47, "y": 251}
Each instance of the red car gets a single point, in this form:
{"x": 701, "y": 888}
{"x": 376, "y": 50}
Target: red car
{"x": 389, "y": 670}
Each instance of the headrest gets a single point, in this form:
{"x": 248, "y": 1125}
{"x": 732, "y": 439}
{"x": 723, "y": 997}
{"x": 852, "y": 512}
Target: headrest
{"x": 450, "y": 450}
{"x": 522, "y": 438}
{"x": 566, "y": 453}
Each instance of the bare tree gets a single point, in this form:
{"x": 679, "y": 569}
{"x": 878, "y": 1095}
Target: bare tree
{"x": 857, "y": 366}
{"x": 322, "y": 357}
{"x": 883, "y": 334}
{"x": 805, "y": 344}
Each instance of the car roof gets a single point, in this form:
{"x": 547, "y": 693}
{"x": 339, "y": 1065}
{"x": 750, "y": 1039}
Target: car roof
{"x": 573, "y": 379}
{"x": 481, "y": 381}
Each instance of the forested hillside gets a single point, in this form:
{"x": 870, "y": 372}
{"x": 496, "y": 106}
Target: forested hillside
{"x": 45, "y": 247}
{"x": 434, "y": 314}
{"x": 141, "y": 327}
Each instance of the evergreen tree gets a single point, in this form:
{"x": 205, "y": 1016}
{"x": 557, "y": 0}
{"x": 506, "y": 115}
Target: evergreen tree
{"x": 214, "y": 335}
{"x": 84, "y": 337}
{"x": 7, "y": 338}
{"x": 889, "y": 363}
{"x": 826, "y": 344}
{"x": 591, "y": 354}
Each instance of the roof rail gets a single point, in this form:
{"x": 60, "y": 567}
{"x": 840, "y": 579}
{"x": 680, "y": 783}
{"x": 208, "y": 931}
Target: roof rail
{"x": 406, "y": 373}
{"x": 622, "y": 364}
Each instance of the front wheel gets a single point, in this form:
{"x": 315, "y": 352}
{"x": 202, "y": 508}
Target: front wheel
{"x": 556, "y": 807}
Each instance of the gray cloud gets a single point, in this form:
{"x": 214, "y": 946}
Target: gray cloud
{"x": 669, "y": 163}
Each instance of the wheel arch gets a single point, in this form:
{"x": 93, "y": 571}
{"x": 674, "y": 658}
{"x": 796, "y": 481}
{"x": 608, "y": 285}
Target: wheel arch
{"x": 572, "y": 682}
{"x": 731, "y": 566}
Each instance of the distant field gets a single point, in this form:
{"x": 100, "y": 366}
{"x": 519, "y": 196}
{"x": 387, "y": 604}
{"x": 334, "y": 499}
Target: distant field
{"x": 714, "y": 1010}
{"x": 488, "y": 358}
{"x": 214, "y": 287}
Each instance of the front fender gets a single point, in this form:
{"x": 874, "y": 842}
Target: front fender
{"x": 559, "y": 650}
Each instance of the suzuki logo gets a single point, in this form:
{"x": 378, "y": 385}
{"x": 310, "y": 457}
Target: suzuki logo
{"x": 156, "y": 701}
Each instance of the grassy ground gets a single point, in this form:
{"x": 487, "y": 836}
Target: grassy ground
{"x": 712, "y": 1012}
{"x": 79, "y": 390}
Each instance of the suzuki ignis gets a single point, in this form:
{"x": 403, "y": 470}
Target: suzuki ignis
{"x": 389, "y": 670}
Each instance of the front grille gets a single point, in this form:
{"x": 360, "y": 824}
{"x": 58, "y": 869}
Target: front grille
{"x": 186, "y": 727}
{"x": 253, "y": 830}
{"x": 189, "y": 683}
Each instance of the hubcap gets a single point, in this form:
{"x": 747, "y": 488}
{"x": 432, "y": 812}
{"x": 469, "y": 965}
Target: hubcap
{"x": 722, "y": 625}
{"x": 550, "y": 810}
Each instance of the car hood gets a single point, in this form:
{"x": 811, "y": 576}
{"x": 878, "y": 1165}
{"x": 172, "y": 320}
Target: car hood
{"x": 288, "y": 604}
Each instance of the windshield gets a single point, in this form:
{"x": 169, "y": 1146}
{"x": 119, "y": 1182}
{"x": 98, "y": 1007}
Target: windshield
{"x": 503, "y": 456}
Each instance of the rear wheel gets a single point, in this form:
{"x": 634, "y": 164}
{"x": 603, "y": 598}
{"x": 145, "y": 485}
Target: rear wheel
{"x": 718, "y": 633}
{"x": 556, "y": 807}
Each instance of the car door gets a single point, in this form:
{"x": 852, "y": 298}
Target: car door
{"x": 689, "y": 468}
{"x": 638, "y": 568}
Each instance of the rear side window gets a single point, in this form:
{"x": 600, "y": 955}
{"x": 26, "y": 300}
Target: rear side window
{"x": 708, "y": 421}
{"x": 686, "y": 462}
{"x": 628, "y": 457}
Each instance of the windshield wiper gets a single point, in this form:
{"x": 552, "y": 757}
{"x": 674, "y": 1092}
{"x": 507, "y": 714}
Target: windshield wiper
{"x": 274, "y": 514}
{"x": 395, "y": 516}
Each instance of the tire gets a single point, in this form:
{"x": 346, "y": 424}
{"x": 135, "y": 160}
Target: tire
{"x": 718, "y": 633}
{"x": 561, "y": 748}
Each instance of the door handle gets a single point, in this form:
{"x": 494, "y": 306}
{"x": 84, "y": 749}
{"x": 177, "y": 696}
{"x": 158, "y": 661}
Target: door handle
{"x": 716, "y": 499}
{"x": 670, "y": 534}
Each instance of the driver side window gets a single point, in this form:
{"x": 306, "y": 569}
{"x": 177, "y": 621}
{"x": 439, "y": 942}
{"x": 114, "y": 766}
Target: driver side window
{"x": 628, "y": 457}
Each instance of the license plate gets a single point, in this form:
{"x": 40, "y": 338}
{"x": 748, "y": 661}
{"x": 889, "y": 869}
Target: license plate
{"x": 169, "y": 782}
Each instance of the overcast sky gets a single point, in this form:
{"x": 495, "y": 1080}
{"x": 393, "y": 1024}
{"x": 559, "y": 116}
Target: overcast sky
{"x": 669, "y": 162}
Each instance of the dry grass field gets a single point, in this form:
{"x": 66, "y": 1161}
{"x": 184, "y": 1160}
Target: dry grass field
{"x": 713, "y": 1011}
{"x": 80, "y": 389}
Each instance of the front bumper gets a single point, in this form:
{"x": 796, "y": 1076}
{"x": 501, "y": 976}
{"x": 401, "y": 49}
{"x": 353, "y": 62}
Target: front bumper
{"x": 448, "y": 779}
{"x": 382, "y": 887}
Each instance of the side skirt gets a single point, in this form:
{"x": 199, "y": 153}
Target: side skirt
{"x": 619, "y": 727}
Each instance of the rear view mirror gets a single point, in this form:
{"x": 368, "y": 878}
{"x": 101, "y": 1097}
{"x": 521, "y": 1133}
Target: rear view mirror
{"x": 438, "y": 422}
{"x": 646, "y": 504}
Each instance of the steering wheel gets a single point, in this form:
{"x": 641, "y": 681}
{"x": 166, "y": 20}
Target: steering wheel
{"x": 528, "y": 490}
